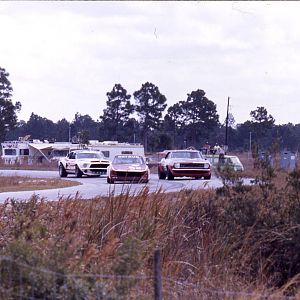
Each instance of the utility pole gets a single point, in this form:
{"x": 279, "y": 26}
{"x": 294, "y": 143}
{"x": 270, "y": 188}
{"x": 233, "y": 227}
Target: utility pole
{"x": 250, "y": 145}
{"x": 226, "y": 128}
{"x": 69, "y": 132}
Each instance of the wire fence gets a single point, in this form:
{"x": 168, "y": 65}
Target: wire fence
{"x": 19, "y": 280}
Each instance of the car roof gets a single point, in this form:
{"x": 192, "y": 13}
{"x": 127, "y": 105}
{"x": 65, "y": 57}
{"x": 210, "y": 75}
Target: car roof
{"x": 85, "y": 150}
{"x": 128, "y": 155}
{"x": 181, "y": 150}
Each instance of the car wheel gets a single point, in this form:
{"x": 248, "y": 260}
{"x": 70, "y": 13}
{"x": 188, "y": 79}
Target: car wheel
{"x": 78, "y": 172}
{"x": 109, "y": 180}
{"x": 207, "y": 177}
{"x": 161, "y": 175}
{"x": 62, "y": 171}
{"x": 170, "y": 175}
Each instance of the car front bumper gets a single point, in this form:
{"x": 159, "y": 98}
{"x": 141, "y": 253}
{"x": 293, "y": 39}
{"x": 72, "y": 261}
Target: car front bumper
{"x": 176, "y": 172}
{"x": 129, "y": 176}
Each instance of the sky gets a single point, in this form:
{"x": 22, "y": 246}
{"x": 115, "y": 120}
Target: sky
{"x": 64, "y": 56}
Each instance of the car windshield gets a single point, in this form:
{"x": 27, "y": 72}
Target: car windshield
{"x": 235, "y": 160}
{"x": 186, "y": 154}
{"x": 89, "y": 155}
{"x": 128, "y": 160}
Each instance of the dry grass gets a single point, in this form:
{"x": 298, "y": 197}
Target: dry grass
{"x": 49, "y": 166}
{"x": 237, "y": 242}
{"x": 19, "y": 183}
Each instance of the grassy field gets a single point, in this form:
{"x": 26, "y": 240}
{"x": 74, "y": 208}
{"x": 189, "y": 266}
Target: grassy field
{"x": 20, "y": 183}
{"x": 51, "y": 166}
{"x": 236, "y": 242}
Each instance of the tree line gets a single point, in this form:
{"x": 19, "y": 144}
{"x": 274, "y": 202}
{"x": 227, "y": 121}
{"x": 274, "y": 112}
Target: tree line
{"x": 144, "y": 117}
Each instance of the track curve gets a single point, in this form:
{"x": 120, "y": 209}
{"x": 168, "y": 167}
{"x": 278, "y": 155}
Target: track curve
{"x": 94, "y": 186}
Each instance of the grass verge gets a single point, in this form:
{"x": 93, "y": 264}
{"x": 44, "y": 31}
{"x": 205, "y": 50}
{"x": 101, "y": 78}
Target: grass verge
{"x": 20, "y": 183}
{"x": 235, "y": 242}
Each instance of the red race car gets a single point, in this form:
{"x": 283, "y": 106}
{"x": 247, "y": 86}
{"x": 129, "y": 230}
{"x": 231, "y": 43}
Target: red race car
{"x": 184, "y": 163}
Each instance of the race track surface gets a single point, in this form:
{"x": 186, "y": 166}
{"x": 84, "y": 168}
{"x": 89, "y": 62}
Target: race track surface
{"x": 97, "y": 186}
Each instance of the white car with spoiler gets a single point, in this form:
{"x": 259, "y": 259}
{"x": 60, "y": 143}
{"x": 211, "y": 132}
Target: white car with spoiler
{"x": 83, "y": 162}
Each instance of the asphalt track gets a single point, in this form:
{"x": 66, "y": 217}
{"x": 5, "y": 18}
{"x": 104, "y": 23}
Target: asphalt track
{"x": 94, "y": 186}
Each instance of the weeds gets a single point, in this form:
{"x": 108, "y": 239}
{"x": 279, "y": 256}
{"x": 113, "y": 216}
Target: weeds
{"x": 21, "y": 183}
{"x": 238, "y": 238}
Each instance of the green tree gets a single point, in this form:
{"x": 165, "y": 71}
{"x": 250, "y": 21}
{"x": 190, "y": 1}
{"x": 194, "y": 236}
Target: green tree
{"x": 196, "y": 117}
{"x": 84, "y": 127}
{"x": 40, "y": 128}
{"x": 260, "y": 116}
{"x": 117, "y": 113}
{"x": 262, "y": 124}
{"x": 62, "y": 130}
{"x": 18, "y": 131}
{"x": 174, "y": 124}
{"x": 8, "y": 110}
{"x": 150, "y": 104}
{"x": 201, "y": 116}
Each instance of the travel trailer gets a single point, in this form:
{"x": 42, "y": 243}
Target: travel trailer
{"x": 112, "y": 148}
{"x": 28, "y": 151}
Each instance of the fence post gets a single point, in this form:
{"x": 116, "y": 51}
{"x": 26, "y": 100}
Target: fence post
{"x": 157, "y": 275}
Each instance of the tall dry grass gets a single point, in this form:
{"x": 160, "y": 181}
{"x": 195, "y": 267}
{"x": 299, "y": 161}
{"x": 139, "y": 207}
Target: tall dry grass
{"x": 236, "y": 242}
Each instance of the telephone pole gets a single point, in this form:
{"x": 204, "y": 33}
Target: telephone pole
{"x": 226, "y": 128}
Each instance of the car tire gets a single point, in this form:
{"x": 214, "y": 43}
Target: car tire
{"x": 62, "y": 171}
{"x": 207, "y": 177}
{"x": 161, "y": 175}
{"x": 170, "y": 175}
{"x": 78, "y": 172}
{"x": 110, "y": 181}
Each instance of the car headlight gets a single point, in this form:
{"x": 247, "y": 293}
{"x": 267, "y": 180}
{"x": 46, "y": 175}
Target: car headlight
{"x": 206, "y": 166}
{"x": 85, "y": 165}
{"x": 177, "y": 165}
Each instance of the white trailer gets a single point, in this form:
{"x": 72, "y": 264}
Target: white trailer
{"x": 112, "y": 148}
{"x": 34, "y": 150}
{"x": 29, "y": 151}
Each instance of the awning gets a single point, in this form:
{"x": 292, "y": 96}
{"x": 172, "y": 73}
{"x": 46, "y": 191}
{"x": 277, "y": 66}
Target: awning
{"x": 40, "y": 147}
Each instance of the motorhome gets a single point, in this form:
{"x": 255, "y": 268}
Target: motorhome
{"x": 28, "y": 151}
{"x": 112, "y": 148}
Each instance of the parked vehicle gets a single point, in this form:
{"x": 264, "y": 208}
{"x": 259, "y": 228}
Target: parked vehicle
{"x": 184, "y": 163}
{"x": 229, "y": 160}
{"x": 27, "y": 150}
{"x": 131, "y": 168}
{"x": 83, "y": 162}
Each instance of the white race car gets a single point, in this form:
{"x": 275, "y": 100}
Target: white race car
{"x": 83, "y": 162}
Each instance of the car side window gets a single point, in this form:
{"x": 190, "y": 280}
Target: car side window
{"x": 168, "y": 155}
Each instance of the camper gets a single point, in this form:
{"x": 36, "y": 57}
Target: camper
{"x": 112, "y": 148}
{"x": 27, "y": 150}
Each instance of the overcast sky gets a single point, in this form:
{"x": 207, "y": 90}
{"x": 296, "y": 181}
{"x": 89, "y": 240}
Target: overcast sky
{"x": 63, "y": 57}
